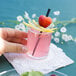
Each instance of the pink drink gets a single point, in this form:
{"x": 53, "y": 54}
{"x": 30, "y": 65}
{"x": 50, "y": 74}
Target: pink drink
{"x": 38, "y": 44}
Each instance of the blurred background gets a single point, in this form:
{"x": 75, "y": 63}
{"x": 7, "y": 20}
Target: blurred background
{"x": 10, "y": 9}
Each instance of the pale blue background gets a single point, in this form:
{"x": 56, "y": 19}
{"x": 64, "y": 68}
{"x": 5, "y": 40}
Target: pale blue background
{"x": 9, "y": 9}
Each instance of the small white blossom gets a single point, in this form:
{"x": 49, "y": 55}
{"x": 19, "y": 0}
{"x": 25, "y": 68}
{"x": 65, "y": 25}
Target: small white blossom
{"x": 26, "y": 15}
{"x": 56, "y": 13}
{"x": 51, "y": 26}
{"x": 54, "y": 19}
{"x": 65, "y": 37}
{"x": 20, "y": 27}
{"x": 17, "y": 27}
{"x": 33, "y": 15}
{"x": 63, "y": 29}
{"x": 66, "y": 40}
{"x": 57, "y": 33}
{"x": 70, "y": 37}
{"x": 20, "y": 18}
{"x": 56, "y": 40}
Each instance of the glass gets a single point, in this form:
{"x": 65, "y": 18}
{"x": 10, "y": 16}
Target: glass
{"x": 11, "y": 72}
{"x": 38, "y": 44}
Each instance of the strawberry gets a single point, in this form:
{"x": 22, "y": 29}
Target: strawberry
{"x": 44, "y": 21}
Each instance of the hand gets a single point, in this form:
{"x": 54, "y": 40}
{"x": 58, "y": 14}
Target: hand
{"x": 12, "y": 40}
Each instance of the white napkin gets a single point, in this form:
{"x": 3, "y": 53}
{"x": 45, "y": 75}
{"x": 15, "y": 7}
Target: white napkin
{"x": 56, "y": 59}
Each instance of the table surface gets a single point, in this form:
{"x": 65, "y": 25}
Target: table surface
{"x": 10, "y": 9}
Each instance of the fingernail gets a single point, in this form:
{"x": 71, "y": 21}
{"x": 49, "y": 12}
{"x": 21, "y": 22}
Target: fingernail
{"x": 24, "y": 49}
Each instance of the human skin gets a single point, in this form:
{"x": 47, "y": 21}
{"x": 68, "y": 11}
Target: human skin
{"x": 12, "y": 40}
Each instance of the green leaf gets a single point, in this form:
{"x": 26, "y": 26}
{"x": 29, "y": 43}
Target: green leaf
{"x": 25, "y": 74}
{"x": 32, "y": 73}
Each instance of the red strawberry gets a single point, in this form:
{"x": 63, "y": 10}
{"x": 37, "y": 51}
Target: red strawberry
{"x": 44, "y": 21}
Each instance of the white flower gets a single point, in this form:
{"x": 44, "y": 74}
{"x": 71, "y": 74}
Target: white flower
{"x": 17, "y": 27}
{"x": 54, "y": 19}
{"x": 51, "y": 26}
{"x": 33, "y": 15}
{"x": 70, "y": 37}
{"x": 56, "y": 13}
{"x": 56, "y": 40}
{"x": 20, "y": 18}
{"x": 63, "y": 29}
{"x": 26, "y": 15}
{"x": 57, "y": 33}
{"x": 20, "y": 27}
{"x": 65, "y": 37}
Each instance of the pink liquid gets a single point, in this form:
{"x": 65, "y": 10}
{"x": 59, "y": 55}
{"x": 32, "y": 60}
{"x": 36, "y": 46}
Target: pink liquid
{"x": 42, "y": 48}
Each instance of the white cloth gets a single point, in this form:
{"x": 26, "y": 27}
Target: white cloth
{"x": 56, "y": 59}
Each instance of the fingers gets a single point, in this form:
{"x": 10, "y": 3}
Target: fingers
{"x": 15, "y": 48}
{"x": 0, "y": 54}
{"x": 17, "y": 40}
{"x": 11, "y": 47}
{"x": 12, "y": 33}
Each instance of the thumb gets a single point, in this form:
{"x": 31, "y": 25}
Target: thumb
{"x": 12, "y": 47}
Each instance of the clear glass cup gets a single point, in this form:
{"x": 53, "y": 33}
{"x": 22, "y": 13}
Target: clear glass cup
{"x": 38, "y": 44}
